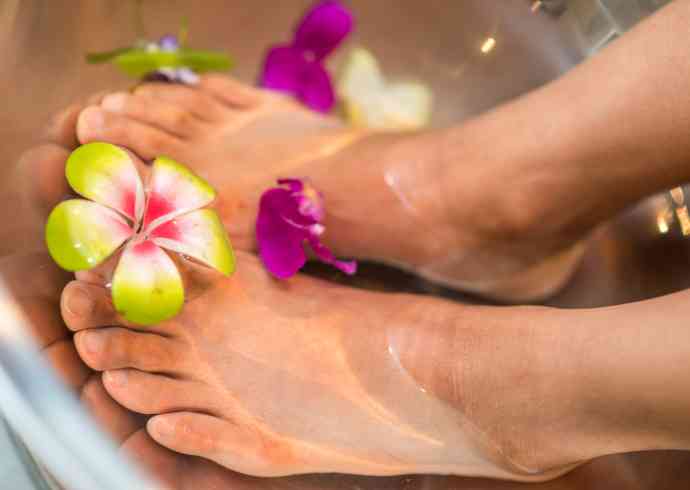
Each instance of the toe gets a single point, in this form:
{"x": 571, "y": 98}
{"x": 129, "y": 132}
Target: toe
{"x": 97, "y": 124}
{"x": 63, "y": 356}
{"x": 155, "y": 112}
{"x": 45, "y": 322}
{"x": 202, "y": 105}
{"x": 42, "y": 174}
{"x": 149, "y": 393}
{"x": 240, "y": 448}
{"x": 85, "y": 305}
{"x": 230, "y": 91}
{"x": 106, "y": 349}
{"x": 119, "y": 423}
{"x": 61, "y": 129}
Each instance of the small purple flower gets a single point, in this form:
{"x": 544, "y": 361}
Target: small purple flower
{"x": 298, "y": 68}
{"x": 170, "y": 44}
{"x": 289, "y": 217}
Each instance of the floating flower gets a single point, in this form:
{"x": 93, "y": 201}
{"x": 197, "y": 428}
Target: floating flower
{"x": 165, "y": 60}
{"x": 298, "y": 68}
{"x": 289, "y": 217}
{"x": 147, "y": 287}
{"x": 371, "y": 101}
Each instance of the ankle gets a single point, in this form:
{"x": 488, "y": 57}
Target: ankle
{"x": 383, "y": 200}
{"x": 512, "y": 373}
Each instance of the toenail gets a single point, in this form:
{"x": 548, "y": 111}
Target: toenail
{"x": 161, "y": 426}
{"x": 116, "y": 378}
{"x": 79, "y": 302}
{"x": 92, "y": 118}
{"x": 92, "y": 342}
{"x": 114, "y": 102}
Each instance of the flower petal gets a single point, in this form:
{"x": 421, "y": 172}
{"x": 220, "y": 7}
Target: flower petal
{"x": 201, "y": 235}
{"x": 280, "y": 240}
{"x": 324, "y": 254}
{"x": 317, "y": 90}
{"x": 174, "y": 190}
{"x": 147, "y": 287}
{"x": 282, "y": 70}
{"x": 81, "y": 234}
{"x": 168, "y": 42}
{"x": 106, "y": 174}
{"x": 323, "y": 28}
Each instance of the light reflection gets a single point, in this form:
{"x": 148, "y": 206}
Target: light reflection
{"x": 684, "y": 219}
{"x": 678, "y": 196}
{"x": 662, "y": 224}
{"x": 488, "y": 45}
{"x": 536, "y": 6}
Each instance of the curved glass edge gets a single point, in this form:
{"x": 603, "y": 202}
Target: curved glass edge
{"x": 50, "y": 420}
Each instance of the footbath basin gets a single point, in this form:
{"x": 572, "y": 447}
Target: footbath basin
{"x": 473, "y": 55}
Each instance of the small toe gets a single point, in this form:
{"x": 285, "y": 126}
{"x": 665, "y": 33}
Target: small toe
{"x": 231, "y": 91}
{"x": 155, "y": 112}
{"x": 202, "y": 105}
{"x": 64, "y": 359}
{"x": 106, "y": 349}
{"x": 97, "y": 124}
{"x": 42, "y": 173}
{"x": 117, "y": 421}
{"x": 148, "y": 393}
{"x": 240, "y": 448}
{"x": 61, "y": 129}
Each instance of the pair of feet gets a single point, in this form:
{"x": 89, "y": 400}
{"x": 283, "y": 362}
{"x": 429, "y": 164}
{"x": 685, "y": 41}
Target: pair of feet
{"x": 215, "y": 368}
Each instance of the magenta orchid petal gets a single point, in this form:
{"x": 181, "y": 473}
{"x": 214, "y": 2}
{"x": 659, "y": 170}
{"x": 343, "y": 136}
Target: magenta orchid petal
{"x": 324, "y": 254}
{"x": 288, "y": 219}
{"x": 323, "y": 28}
{"x": 293, "y": 185}
{"x": 317, "y": 88}
{"x": 280, "y": 242}
{"x": 297, "y": 68}
{"x": 283, "y": 69}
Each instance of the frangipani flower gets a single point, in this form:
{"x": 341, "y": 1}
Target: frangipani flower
{"x": 298, "y": 67}
{"x": 164, "y": 60}
{"x": 147, "y": 287}
{"x": 371, "y": 101}
{"x": 289, "y": 217}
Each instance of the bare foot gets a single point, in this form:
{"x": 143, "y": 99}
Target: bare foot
{"x": 270, "y": 378}
{"x": 394, "y": 198}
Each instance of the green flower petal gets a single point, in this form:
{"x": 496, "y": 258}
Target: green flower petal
{"x": 200, "y": 235}
{"x": 106, "y": 174}
{"x": 174, "y": 190}
{"x": 105, "y": 56}
{"x": 138, "y": 63}
{"x": 147, "y": 287}
{"x": 81, "y": 234}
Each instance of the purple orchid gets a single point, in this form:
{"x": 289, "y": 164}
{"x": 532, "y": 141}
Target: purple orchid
{"x": 169, "y": 44}
{"x": 298, "y": 68}
{"x": 288, "y": 217}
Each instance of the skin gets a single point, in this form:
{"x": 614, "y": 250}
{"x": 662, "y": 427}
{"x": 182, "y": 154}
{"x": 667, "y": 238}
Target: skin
{"x": 209, "y": 378}
{"x": 619, "y": 198}
{"x": 39, "y": 296}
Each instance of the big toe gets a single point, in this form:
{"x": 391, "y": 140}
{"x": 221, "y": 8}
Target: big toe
{"x": 98, "y": 124}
